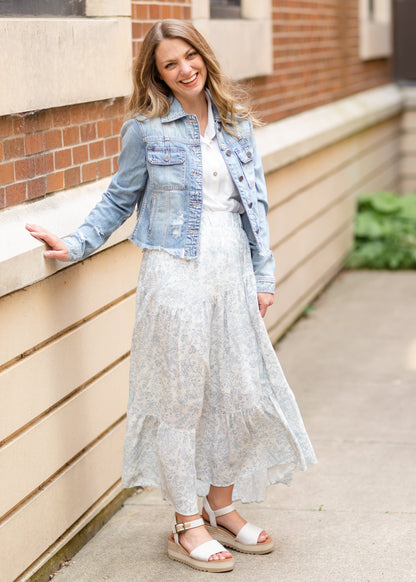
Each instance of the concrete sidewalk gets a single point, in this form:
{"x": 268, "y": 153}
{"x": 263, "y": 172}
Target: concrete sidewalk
{"x": 352, "y": 517}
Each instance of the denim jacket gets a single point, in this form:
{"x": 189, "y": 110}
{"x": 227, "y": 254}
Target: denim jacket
{"x": 160, "y": 173}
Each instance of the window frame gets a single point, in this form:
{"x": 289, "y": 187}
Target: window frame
{"x": 375, "y": 29}
{"x": 238, "y": 59}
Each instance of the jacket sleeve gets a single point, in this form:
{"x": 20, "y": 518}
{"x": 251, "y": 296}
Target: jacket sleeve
{"x": 263, "y": 263}
{"x": 120, "y": 199}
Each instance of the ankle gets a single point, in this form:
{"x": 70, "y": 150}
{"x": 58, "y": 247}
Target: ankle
{"x": 218, "y": 501}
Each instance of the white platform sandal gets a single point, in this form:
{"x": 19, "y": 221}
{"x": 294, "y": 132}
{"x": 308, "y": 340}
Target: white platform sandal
{"x": 199, "y": 557}
{"x": 246, "y": 539}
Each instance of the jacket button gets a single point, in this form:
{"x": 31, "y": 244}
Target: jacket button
{"x": 240, "y": 178}
{"x": 250, "y": 205}
{"x": 257, "y": 230}
{"x": 228, "y": 153}
{"x": 249, "y": 155}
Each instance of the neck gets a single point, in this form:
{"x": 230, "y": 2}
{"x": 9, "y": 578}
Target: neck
{"x": 198, "y": 107}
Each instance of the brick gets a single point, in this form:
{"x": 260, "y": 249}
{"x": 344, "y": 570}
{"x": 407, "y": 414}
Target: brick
{"x": 13, "y": 148}
{"x": 32, "y": 122}
{"x": 63, "y": 159}
{"x": 25, "y": 169}
{"x": 61, "y": 116}
{"x": 72, "y": 177}
{"x": 114, "y": 163}
{"x": 96, "y": 150}
{"x": 110, "y": 108}
{"x": 70, "y": 135}
{"x": 34, "y": 143}
{"x": 6, "y": 126}
{"x": 2, "y": 197}
{"x": 117, "y": 124}
{"x": 177, "y": 12}
{"x": 1, "y": 152}
{"x": 54, "y": 182}
{"x": 88, "y": 132}
{"x": 164, "y": 12}
{"x": 6, "y": 173}
{"x": 80, "y": 154}
{"x": 15, "y": 193}
{"x": 104, "y": 128}
{"x": 89, "y": 172}
{"x": 154, "y": 12}
{"x": 53, "y": 139}
{"x": 104, "y": 168}
{"x": 79, "y": 113}
{"x": 96, "y": 109}
{"x": 36, "y": 188}
{"x": 140, "y": 11}
{"x": 44, "y": 164}
{"x": 137, "y": 30}
{"x": 112, "y": 146}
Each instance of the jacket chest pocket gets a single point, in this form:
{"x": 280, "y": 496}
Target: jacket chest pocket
{"x": 166, "y": 168}
{"x": 245, "y": 157}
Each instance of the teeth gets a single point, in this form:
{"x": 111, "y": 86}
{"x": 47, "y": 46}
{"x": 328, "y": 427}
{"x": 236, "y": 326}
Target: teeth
{"x": 190, "y": 80}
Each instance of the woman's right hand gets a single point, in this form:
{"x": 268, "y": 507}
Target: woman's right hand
{"x": 58, "y": 249}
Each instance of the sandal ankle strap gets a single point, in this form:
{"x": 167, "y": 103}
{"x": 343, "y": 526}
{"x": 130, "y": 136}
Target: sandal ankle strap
{"x": 177, "y": 528}
{"x": 214, "y": 513}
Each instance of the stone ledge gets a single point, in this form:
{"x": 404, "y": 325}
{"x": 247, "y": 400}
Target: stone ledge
{"x": 21, "y": 256}
{"x": 296, "y": 137}
{"x": 280, "y": 143}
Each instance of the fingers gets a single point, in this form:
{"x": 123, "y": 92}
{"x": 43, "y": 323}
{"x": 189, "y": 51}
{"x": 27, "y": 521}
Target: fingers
{"x": 58, "y": 249}
{"x": 265, "y": 300}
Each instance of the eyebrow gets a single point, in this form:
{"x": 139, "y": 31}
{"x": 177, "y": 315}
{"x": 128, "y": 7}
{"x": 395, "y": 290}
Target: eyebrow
{"x": 185, "y": 54}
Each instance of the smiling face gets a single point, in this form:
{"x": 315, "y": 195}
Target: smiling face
{"x": 183, "y": 70}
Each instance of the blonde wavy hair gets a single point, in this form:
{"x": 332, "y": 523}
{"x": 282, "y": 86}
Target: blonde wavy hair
{"x": 152, "y": 97}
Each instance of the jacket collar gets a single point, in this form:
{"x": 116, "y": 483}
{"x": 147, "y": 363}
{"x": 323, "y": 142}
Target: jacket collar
{"x": 176, "y": 111}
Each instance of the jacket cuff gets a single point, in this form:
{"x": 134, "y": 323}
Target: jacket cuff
{"x": 265, "y": 285}
{"x": 74, "y": 247}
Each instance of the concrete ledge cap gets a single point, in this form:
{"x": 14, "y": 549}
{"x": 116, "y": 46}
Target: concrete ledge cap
{"x": 296, "y": 137}
{"x": 21, "y": 256}
{"x": 409, "y": 97}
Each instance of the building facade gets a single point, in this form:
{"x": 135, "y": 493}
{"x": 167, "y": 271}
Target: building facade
{"x": 320, "y": 77}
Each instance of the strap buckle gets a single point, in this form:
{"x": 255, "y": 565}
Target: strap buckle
{"x": 179, "y": 527}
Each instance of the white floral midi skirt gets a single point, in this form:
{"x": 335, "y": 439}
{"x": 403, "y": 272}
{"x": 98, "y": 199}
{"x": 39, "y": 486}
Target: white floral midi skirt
{"x": 208, "y": 403}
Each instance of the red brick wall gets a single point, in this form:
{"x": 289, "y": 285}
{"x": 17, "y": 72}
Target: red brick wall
{"x": 145, "y": 14}
{"x": 316, "y": 60}
{"x": 55, "y": 149}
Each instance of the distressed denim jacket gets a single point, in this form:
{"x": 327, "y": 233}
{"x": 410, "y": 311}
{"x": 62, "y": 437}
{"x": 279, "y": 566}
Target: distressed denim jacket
{"x": 160, "y": 173}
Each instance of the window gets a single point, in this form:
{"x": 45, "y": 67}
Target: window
{"x": 42, "y": 7}
{"x": 225, "y": 8}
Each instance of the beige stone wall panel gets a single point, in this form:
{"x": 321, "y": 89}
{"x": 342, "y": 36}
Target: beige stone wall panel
{"x": 53, "y": 510}
{"x": 312, "y": 274}
{"x": 36, "y": 383}
{"x": 32, "y": 316}
{"x": 39, "y": 452}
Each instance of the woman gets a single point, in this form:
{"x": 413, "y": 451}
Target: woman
{"x": 210, "y": 412}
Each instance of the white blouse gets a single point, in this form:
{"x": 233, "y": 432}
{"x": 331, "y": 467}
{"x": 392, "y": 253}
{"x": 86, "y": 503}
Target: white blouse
{"x": 218, "y": 189}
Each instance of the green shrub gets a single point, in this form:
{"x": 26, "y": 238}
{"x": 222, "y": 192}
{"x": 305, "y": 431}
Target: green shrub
{"x": 385, "y": 232}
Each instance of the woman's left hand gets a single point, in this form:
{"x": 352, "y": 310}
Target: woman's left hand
{"x": 264, "y": 300}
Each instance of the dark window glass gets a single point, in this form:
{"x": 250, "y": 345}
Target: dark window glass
{"x": 371, "y": 9}
{"x": 42, "y": 7}
{"x": 225, "y": 8}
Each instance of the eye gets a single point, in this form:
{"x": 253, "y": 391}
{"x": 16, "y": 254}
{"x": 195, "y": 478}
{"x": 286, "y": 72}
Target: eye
{"x": 192, "y": 54}
{"x": 169, "y": 65}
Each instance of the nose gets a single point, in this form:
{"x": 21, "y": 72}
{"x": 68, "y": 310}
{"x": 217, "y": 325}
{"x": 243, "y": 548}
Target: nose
{"x": 186, "y": 68}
